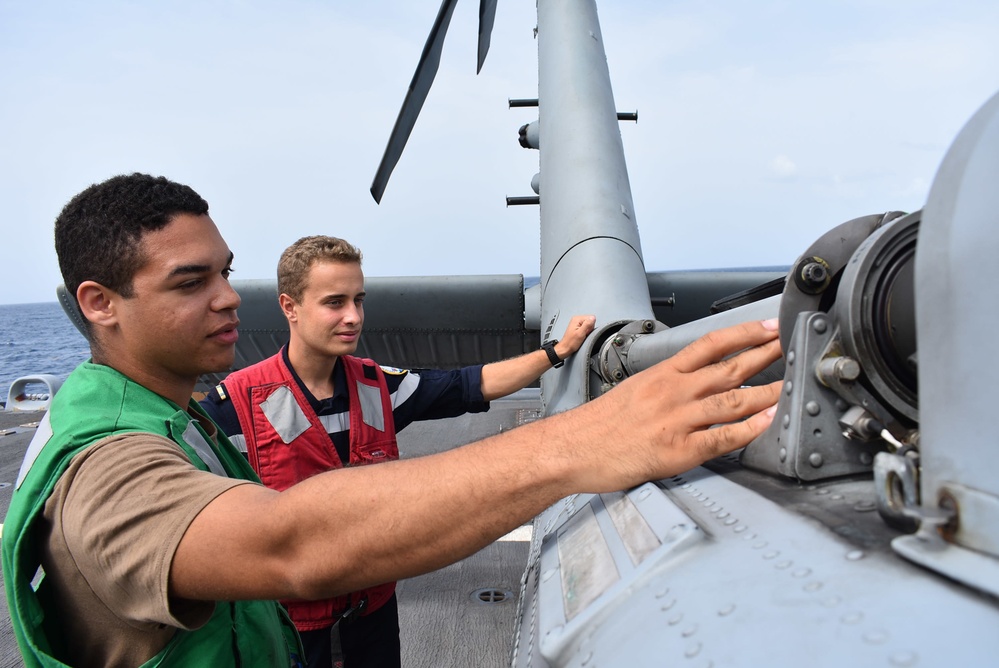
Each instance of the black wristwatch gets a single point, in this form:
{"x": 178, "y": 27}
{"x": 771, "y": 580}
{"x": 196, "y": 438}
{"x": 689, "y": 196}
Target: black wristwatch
{"x": 549, "y": 348}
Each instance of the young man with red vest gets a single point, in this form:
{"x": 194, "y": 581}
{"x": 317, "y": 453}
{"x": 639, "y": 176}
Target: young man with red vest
{"x": 158, "y": 544}
{"x": 314, "y": 407}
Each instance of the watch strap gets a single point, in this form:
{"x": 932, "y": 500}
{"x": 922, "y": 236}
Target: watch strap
{"x": 549, "y": 348}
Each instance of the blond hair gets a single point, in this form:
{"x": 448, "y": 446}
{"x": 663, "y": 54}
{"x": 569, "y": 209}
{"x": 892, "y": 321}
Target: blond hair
{"x": 298, "y": 258}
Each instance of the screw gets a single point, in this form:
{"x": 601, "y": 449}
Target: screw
{"x": 814, "y": 274}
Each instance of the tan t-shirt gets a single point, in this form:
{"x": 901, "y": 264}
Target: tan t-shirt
{"x": 116, "y": 517}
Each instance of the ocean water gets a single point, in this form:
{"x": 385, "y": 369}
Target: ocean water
{"x": 37, "y": 339}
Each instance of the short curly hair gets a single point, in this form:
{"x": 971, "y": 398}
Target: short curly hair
{"x": 97, "y": 234}
{"x": 298, "y": 258}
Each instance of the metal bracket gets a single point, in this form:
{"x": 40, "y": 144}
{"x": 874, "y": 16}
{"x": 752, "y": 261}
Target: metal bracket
{"x": 806, "y": 440}
{"x": 896, "y": 484}
{"x": 613, "y": 356}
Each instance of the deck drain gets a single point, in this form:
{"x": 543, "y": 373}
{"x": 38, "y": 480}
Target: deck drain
{"x": 491, "y": 596}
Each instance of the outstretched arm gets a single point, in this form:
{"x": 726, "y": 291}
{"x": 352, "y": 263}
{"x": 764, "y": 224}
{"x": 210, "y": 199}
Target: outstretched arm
{"x": 343, "y": 530}
{"x": 502, "y": 378}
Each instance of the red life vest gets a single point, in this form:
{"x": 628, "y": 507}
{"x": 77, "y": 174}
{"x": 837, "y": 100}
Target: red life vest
{"x": 286, "y": 443}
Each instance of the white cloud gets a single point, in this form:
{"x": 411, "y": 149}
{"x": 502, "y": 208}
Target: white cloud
{"x": 783, "y": 167}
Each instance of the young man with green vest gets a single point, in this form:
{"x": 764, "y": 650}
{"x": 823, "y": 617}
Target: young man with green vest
{"x": 136, "y": 535}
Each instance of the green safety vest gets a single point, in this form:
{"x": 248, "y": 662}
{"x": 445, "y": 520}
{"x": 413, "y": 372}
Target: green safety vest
{"x": 96, "y": 402}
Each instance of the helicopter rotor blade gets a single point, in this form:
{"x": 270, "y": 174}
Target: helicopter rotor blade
{"x": 419, "y": 87}
{"x": 487, "y": 15}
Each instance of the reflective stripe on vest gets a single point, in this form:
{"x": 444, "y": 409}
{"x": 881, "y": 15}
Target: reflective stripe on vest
{"x": 289, "y": 420}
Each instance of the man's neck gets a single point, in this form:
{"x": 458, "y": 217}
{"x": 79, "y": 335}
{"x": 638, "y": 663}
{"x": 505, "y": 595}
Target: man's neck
{"x": 316, "y": 371}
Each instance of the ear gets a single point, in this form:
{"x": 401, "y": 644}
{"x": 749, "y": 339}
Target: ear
{"x": 288, "y": 307}
{"x": 97, "y": 303}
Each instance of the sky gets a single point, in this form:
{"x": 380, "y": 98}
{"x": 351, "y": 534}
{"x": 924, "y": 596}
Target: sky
{"x": 761, "y": 125}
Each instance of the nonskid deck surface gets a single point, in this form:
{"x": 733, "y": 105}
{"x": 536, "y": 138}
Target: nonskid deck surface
{"x": 464, "y": 615}
{"x": 460, "y": 616}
